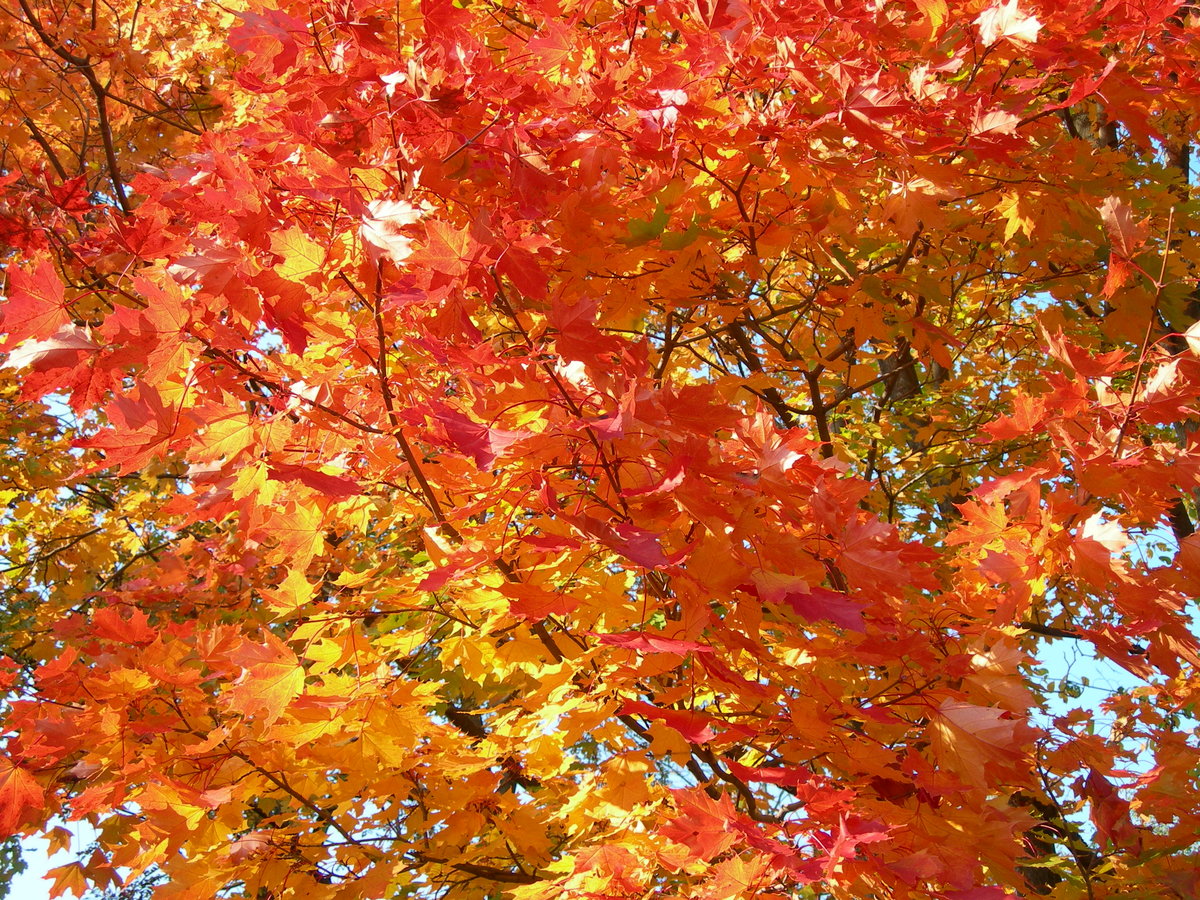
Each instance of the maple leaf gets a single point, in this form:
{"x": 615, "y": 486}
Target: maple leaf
{"x": 778, "y": 451}
{"x": 143, "y": 423}
{"x": 1089, "y": 365}
{"x": 535, "y": 603}
{"x": 460, "y": 563}
{"x": 69, "y": 878}
{"x": 652, "y": 643}
{"x": 1193, "y": 338}
{"x": 850, "y": 835}
{"x": 693, "y": 726}
{"x": 1018, "y": 219}
{"x": 60, "y": 349}
{"x": 1094, "y": 545}
{"x": 334, "y": 486}
{"x": 1086, "y": 86}
{"x": 642, "y": 547}
{"x": 133, "y": 627}
{"x": 271, "y": 679}
{"x": 20, "y": 796}
{"x": 811, "y": 603}
{"x": 819, "y": 603}
{"x": 251, "y": 844}
{"x": 736, "y": 876}
{"x": 671, "y": 478}
{"x": 214, "y": 266}
{"x": 702, "y": 824}
{"x": 663, "y": 115}
{"x": 446, "y": 249}
{"x": 871, "y": 553}
{"x": 969, "y": 738}
{"x": 300, "y": 255}
{"x": 613, "y": 427}
{"x": 484, "y": 444}
{"x": 383, "y": 227}
{"x": 1127, "y": 237}
{"x": 300, "y": 530}
{"x": 1026, "y": 418}
{"x": 271, "y": 32}
{"x": 935, "y": 11}
{"x": 872, "y": 105}
{"x": 35, "y": 305}
{"x": 994, "y": 121}
{"x": 1110, "y": 811}
{"x": 1006, "y": 21}
{"x": 790, "y": 776}
{"x": 580, "y": 339}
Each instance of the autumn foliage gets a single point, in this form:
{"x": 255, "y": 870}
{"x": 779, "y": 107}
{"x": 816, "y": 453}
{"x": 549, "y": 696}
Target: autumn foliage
{"x": 556, "y": 448}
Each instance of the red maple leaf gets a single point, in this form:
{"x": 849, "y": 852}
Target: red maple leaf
{"x": 35, "y": 306}
{"x": 652, "y": 643}
{"x": 20, "y": 796}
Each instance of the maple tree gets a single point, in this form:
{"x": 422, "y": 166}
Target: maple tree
{"x": 599, "y": 449}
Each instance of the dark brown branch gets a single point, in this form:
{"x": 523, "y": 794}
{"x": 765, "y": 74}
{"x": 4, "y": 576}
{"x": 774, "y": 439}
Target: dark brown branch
{"x": 1181, "y": 522}
{"x": 743, "y": 789}
{"x": 749, "y": 356}
{"x": 910, "y": 248}
{"x": 46, "y": 148}
{"x": 1051, "y": 631}
{"x": 476, "y": 870}
{"x": 106, "y": 137}
{"x": 819, "y": 413}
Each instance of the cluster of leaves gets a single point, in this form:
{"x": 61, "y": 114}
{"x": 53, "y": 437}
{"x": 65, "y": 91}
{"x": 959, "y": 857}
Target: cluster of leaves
{"x": 592, "y": 449}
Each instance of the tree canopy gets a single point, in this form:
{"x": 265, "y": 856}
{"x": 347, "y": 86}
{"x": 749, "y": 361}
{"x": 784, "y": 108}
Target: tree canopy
{"x": 600, "y": 449}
